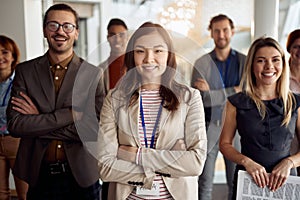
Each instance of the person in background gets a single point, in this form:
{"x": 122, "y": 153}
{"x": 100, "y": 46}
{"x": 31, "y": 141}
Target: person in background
{"x": 217, "y": 76}
{"x": 9, "y": 58}
{"x": 293, "y": 47}
{"x": 113, "y": 67}
{"x": 267, "y": 116}
{"x": 43, "y": 110}
{"x": 152, "y": 129}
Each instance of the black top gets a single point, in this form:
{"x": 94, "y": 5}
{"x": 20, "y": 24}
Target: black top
{"x": 264, "y": 140}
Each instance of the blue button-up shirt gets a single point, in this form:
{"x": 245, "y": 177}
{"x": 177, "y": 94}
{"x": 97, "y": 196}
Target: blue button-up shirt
{"x": 5, "y": 89}
{"x": 229, "y": 69}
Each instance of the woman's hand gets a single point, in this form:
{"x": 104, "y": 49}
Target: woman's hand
{"x": 127, "y": 153}
{"x": 280, "y": 174}
{"x": 26, "y": 106}
{"x": 179, "y": 145}
{"x": 258, "y": 173}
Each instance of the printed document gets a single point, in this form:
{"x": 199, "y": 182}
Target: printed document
{"x": 248, "y": 190}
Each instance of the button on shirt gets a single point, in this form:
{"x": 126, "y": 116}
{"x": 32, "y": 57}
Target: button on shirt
{"x": 58, "y": 73}
{"x": 55, "y": 151}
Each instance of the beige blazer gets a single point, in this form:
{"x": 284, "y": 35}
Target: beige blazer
{"x": 104, "y": 67}
{"x": 179, "y": 169}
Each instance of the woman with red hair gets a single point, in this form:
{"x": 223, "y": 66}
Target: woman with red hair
{"x": 9, "y": 58}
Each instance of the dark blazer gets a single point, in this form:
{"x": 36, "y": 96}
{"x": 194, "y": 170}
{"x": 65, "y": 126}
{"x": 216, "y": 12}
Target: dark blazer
{"x": 80, "y": 91}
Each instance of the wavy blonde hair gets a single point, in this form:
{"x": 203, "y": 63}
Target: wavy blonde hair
{"x": 248, "y": 82}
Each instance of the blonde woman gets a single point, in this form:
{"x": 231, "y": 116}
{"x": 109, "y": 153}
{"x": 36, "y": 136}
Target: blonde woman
{"x": 266, "y": 115}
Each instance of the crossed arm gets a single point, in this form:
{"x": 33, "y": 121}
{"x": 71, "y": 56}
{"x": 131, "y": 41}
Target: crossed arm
{"x": 177, "y": 157}
{"x": 129, "y": 153}
{"x": 28, "y": 112}
{"x": 24, "y": 106}
{"x": 210, "y": 95}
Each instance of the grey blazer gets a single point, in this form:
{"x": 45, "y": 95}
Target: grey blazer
{"x": 179, "y": 169}
{"x": 80, "y": 91}
{"x": 215, "y": 98}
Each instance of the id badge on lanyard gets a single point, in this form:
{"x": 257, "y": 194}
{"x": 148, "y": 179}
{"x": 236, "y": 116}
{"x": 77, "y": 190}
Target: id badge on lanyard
{"x": 154, "y": 191}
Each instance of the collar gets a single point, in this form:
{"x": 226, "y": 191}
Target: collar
{"x": 112, "y": 59}
{"x": 12, "y": 76}
{"x": 214, "y": 55}
{"x": 10, "y": 79}
{"x": 63, "y": 63}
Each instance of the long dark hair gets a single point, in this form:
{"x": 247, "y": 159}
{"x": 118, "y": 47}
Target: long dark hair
{"x": 170, "y": 90}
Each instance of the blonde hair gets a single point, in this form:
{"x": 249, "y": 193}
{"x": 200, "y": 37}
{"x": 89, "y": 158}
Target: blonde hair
{"x": 248, "y": 82}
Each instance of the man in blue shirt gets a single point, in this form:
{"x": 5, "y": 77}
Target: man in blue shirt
{"x": 217, "y": 75}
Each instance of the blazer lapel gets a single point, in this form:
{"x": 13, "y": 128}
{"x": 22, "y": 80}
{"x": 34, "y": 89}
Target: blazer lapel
{"x": 68, "y": 82}
{"x": 106, "y": 75}
{"x": 163, "y": 118}
{"x": 42, "y": 68}
{"x": 133, "y": 120}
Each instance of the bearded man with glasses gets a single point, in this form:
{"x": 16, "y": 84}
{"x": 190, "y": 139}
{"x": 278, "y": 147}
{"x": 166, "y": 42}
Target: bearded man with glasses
{"x": 52, "y": 158}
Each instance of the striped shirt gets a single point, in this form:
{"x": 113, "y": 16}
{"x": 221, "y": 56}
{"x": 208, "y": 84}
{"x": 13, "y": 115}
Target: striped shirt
{"x": 151, "y": 101}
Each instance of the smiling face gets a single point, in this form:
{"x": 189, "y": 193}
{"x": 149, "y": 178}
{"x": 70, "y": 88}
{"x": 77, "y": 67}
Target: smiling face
{"x": 295, "y": 52}
{"x": 150, "y": 57}
{"x": 221, "y": 33}
{"x": 6, "y": 60}
{"x": 117, "y": 38}
{"x": 267, "y": 66}
{"x": 59, "y": 41}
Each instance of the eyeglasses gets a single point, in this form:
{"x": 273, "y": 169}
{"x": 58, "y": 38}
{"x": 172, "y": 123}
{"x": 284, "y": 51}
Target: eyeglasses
{"x": 54, "y": 26}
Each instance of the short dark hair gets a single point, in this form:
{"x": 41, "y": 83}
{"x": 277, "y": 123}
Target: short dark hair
{"x": 218, "y": 18}
{"x": 116, "y": 21}
{"x": 63, "y": 7}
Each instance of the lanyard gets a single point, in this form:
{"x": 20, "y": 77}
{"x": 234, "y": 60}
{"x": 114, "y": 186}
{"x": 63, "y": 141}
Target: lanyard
{"x": 144, "y": 125}
{"x": 6, "y": 93}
